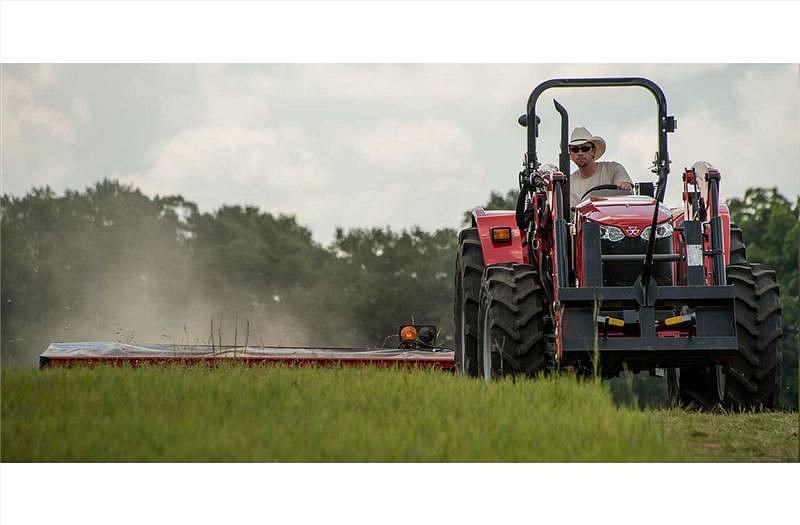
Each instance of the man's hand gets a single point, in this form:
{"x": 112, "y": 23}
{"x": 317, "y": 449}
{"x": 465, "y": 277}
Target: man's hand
{"x": 625, "y": 185}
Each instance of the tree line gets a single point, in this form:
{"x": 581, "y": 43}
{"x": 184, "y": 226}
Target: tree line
{"x": 110, "y": 263}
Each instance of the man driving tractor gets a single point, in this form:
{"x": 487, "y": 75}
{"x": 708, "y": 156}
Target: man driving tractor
{"x": 584, "y": 151}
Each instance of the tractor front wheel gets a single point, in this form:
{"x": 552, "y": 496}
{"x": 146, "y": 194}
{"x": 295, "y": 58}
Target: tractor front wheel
{"x": 696, "y": 387}
{"x": 511, "y": 338}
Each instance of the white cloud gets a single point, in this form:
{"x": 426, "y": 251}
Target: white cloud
{"x": 753, "y": 144}
{"x": 54, "y": 123}
{"x": 464, "y": 86}
{"x": 233, "y": 165}
{"x": 232, "y": 95}
{"x": 756, "y": 145}
{"x": 22, "y": 114}
{"x": 16, "y": 91}
{"x": 400, "y": 173}
{"x": 418, "y": 149}
{"x": 414, "y": 156}
{"x": 769, "y": 103}
{"x": 46, "y": 75}
{"x": 426, "y": 172}
{"x": 80, "y": 108}
{"x": 37, "y": 138}
{"x": 359, "y": 145}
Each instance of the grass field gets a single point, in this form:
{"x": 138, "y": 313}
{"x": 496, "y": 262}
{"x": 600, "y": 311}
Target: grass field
{"x": 281, "y": 414}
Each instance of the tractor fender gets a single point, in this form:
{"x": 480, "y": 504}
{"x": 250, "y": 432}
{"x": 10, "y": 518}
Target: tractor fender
{"x": 725, "y": 215}
{"x": 499, "y": 252}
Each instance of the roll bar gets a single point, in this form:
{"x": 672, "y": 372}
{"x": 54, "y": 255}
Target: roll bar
{"x": 666, "y": 124}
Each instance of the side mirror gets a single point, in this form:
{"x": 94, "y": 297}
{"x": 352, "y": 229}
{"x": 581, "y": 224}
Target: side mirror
{"x": 646, "y": 188}
{"x": 523, "y": 120}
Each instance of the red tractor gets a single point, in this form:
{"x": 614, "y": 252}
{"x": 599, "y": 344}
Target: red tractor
{"x": 618, "y": 281}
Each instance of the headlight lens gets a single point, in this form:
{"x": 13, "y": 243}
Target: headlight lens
{"x": 611, "y": 233}
{"x": 662, "y": 230}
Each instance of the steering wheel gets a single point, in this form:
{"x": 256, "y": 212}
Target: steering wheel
{"x": 606, "y": 187}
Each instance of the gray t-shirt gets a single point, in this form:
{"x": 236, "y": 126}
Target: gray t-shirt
{"x": 608, "y": 172}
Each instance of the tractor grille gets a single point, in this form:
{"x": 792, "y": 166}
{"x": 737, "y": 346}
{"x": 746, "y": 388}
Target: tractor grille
{"x": 619, "y": 273}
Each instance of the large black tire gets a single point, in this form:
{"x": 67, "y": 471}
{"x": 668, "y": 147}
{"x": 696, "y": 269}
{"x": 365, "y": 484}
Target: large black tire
{"x": 737, "y": 247}
{"x": 468, "y": 274}
{"x": 511, "y": 337}
{"x": 673, "y": 388}
{"x": 754, "y": 377}
{"x": 696, "y": 387}
{"x": 708, "y": 387}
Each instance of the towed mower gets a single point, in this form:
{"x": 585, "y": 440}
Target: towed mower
{"x": 417, "y": 349}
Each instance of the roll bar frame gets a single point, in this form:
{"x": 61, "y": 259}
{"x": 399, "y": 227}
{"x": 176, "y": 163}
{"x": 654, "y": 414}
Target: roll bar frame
{"x": 666, "y": 123}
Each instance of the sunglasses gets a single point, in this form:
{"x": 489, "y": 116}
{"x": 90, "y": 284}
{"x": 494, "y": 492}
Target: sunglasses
{"x": 582, "y": 149}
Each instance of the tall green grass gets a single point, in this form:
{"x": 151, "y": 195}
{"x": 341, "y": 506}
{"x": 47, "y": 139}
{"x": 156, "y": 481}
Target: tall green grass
{"x": 307, "y": 414}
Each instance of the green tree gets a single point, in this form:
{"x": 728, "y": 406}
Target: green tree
{"x": 269, "y": 270}
{"x": 247, "y": 255}
{"x": 67, "y": 262}
{"x": 390, "y": 278}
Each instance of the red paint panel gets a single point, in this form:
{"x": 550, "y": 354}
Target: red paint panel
{"x": 499, "y": 252}
{"x": 725, "y": 214}
{"x": 634, "y": 210}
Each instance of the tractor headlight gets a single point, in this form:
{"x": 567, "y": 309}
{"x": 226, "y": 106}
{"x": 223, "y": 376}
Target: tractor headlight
{"x": 662, "y": 230}
{"x": 611, "y": 233}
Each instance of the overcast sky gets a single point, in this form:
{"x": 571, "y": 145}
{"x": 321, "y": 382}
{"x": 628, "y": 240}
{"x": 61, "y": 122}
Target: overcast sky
{"x": 373, "y": 145}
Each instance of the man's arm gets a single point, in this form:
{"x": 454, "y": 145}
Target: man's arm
{"x": 621, "y": 178}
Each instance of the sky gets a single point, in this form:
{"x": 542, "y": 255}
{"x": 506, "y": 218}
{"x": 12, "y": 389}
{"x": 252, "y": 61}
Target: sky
{"x": 363, "y": 145}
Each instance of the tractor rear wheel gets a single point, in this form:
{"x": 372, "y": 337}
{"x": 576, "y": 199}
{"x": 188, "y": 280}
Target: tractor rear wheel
{"x": 754, "y": 377}
{"x": 468, "y": 273}
{"x": 511, "y": 329}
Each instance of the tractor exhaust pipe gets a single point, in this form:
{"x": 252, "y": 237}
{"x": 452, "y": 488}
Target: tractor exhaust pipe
{"x": 563, "y": 157}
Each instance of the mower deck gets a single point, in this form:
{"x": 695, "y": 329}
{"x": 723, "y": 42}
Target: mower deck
{"x": 121, "y": 354}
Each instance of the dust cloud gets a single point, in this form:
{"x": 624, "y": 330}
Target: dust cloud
{"x": 149, "y": 292}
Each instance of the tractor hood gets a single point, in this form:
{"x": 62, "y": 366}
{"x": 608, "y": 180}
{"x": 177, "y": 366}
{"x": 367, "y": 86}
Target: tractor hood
{"x": 630, "y": 213}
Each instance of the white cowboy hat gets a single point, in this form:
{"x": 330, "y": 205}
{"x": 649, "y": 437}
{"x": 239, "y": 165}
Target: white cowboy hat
{"x": 582, "y": 136}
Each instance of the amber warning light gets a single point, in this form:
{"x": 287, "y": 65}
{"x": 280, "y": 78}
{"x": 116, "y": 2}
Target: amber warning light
{"x": 408, "y": 333}
{"x": 501, "y": 234}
